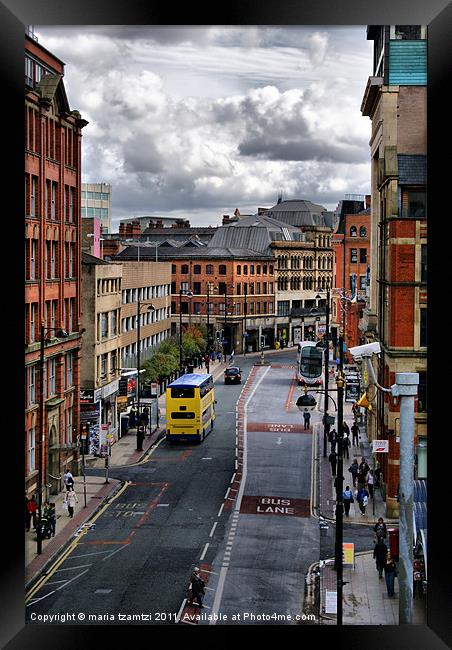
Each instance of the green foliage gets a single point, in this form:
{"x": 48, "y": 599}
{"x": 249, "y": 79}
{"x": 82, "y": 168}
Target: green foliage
{"x": 160, "y": 366}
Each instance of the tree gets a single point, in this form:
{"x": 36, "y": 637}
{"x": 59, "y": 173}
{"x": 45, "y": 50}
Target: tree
{"x": 160, "y": 366}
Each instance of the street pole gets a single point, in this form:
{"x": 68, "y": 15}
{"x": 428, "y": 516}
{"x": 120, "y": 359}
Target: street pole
{"x": 225, "y": 318}
{"x": 244, "y": 337}
{"x": 180, "y": 330}
{"x": 339, "y": 483}
{"x": 406, "y": 388}
{"x": 327, "y": 357}
{"x": 139, "y": 436}
{"x": 208, "y": 320}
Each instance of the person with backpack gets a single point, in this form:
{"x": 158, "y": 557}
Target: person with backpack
{"x": 363, "y": 499}
{"x": 353, "y": 469}
{"x": 347, "y": 498}
{"x": 196, "y": 587}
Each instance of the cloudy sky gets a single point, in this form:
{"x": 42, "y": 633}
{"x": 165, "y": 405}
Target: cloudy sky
{"x": 194, "y": 122}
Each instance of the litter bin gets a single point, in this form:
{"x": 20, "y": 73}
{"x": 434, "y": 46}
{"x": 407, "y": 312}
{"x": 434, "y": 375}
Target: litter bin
{"x": 393, "y": 542}
{"x": 323, "y": 527}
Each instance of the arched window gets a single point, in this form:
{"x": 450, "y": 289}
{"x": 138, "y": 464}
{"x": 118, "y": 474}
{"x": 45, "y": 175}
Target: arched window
{"x": 363, "y": 231}
{"x": 184, "y": 269}
{"x": 353, "y": 231}
{"x": 197, "y": 269}
{"x": 222, "y": 269}
{"x": 209, "y": 269}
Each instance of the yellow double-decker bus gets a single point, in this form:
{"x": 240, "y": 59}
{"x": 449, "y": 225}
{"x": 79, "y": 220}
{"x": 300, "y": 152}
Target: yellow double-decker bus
{"x": 190, "y": 407}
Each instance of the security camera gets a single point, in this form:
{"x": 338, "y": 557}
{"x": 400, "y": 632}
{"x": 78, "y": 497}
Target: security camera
{"x": 360, "y": 351}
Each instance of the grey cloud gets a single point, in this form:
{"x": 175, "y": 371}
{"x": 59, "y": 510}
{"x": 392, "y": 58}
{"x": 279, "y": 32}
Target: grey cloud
{"x": 301, "y": 149}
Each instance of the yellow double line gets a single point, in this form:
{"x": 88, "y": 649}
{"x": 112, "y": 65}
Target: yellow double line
{"x": 72, "y": 546}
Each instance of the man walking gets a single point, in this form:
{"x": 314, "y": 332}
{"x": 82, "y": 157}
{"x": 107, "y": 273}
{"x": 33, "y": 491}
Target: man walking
{"x": 380, "y": 551}
{"x": 197, "y": 585}
{"x": 307, "y": 419}
{"x": 355, "y": 434}
{"x": 333, "y": 460}
{"x": 346, "y": 444}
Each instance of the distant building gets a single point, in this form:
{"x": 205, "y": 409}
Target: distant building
{"x": 96, "y": 202}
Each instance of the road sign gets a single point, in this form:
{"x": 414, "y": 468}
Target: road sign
{"x": 380, "y": 446}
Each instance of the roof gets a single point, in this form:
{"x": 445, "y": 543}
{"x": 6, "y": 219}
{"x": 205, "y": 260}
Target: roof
{"x": 91, "y": 259}
{"x": 190, "y": 379}
{"x": 412, "y": 169}
{"x": 300, "y": 212}
{"x": 256, "y": 233}
{"x": 204, "y": 252}
{"x": 50, "y": 86}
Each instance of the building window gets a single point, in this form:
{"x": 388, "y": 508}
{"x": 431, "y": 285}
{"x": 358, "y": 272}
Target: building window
{"x": 52, "y": 379}
{"x": 31, "y": 452}
{"x": 363, "y": 255}
{"x": 113, "y": 360}
{"x": 422, "y": 393}
{"x": 184, "y": 269}
{"x": 408, "y": 32}
{"x": 197, "y": 288}
{"x": 104, "y": 325}
{"x": 71, "y": 204}
{"x": 239, "y": 269}
{"x": 414, "y": 204}
{"x": 353, "y": 255}
{"x": 197, "y": 269}
{"x": 222, "y": 288}
{"x": 283, "y": 307}
{"x": 33, "y": 308}
{"x": 423, "y": 328}
{"x": 245, "y": 269}
{"x": 173, "y": 269}
{"x": 362, "y": 282}
{"x": 353, "y": 231}
{"x": 424, "y": 263}
{"x": 54, "y": 201}
{"x": 103, "y": 366}
{"x": 197, "y": 308}
{"x": 184, "y": 287}
{"x": 238, "y": 288}
{"x": 363, "y": 231}
{"x": 31, "y": 385}
{"x": 209, "y": 269}
{"x": 69, "y": 370}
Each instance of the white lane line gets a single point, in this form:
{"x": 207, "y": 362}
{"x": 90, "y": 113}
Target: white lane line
{"x": 81, "y": 566}
{"x": 107, "y": 557}
{"x": 161, "y": 505}
{"x": 73, "y": 557}
{"x": 213, "y": 529}
{"x": 233, "y": 477}
{"x": 204, "y": 551}
{"x": 227, "y": 493}
{"x": 181, "y": 610}
{"x": 220, "y": 510}
{"x": 219, "y": 594}
{"x": 55, "y": 582}
{"x": 36, "y": 600}
{"x": 71, "y": 580}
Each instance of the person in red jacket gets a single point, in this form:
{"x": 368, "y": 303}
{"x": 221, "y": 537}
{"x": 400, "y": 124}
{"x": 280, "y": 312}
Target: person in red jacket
{"x": 32, "y": 508}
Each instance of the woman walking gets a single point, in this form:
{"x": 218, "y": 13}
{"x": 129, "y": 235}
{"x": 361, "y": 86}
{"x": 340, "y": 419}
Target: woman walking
{"x": 71, "y": 500}
{"x": 347, "y": 498}
{"x": 390, "y": 570}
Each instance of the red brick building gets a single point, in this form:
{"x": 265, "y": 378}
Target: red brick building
{"x": 352, "y": 259}
{"x": 395, "y": 100}
{"x": 52, "y": 287}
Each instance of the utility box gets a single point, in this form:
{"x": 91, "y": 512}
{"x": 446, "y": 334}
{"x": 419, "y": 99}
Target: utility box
{"x": 393, "y": 542}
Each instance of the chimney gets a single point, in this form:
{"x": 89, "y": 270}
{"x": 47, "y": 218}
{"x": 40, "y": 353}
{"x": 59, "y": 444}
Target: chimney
{"x": 159, "y": 223}
{"x": 226, "y": 219}
{"x": 135, "y": 229}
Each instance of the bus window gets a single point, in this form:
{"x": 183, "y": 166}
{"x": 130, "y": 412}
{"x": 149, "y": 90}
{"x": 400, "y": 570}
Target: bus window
{"x": 182, "y": 415}
{"x": 182, "y": 392}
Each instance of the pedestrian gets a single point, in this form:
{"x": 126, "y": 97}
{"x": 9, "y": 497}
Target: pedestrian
{"x": 70, "y": 500}
{"x": 353, "y": 469}
{"x": 333, "y": 460}
{"x": 347, "y": 498}
{"x": 219, "y": 356}
{"x": 363, "y": 499}
{"x": 144, "y": 418}
{"x": 360, "y": 479}
{"x": 212, "y": 356}
{"x": 68, "y": 479}
{"x": 32, "y": 508}
{"x": 332, "y": 439}
{"x": 380, "y": 529}
{"x": 364, "y": 467}
{"x": 377, "y": 477}
{"x": 52, "y": 517}
{"x": 346, "y": 444}
{"x": 370, "y": 483}
{"x": 380, "y": 553}
{"x": 196, "y": 588}
{"x": 133, "y": 418}
{"x": 390, "y": 570}
{"x": 345, "y": 428}
{"x": 307, "y": 419}
{"x": 355, "y": 435}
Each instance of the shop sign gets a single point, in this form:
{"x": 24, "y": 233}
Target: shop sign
{"x": 348, "y": 554}
{"x": 380, "y": 446}
{"x": 110, "y": 388}
{"x": 86, "y": 396}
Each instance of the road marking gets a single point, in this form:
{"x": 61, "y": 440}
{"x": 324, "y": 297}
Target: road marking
{"x": 181, "y": 610}
{"x": 227, "y": 493}
{"x": 107, "y": 557}
{"x": 162, "y": 505}
{"x": 279, "y": 441}
{"x": 204, "y": 551}
{"x": 36, "y": 600}
{"x": 72, "y": 568}
{"x": 213, "y": 529}
{"x": 220, "y": 510}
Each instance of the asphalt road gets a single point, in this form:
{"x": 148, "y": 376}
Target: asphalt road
{"x": 139, "y": 557}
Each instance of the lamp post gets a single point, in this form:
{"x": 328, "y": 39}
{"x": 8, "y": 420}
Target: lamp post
{"x": 338, "y": 561}
{"x": 214, "y": 290}
{"x": 327, "y": 356}
{"x": 225, "y": 317}
{"x": 60, "y": 334}
{"x": 244, "y": 337}
{"x": 140, "y": 434}
{"x": 189, "y": 294}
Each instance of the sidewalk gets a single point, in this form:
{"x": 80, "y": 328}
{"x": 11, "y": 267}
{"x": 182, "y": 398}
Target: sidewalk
{"x": 365, "y": 599}
{"x": 123, "y": 452}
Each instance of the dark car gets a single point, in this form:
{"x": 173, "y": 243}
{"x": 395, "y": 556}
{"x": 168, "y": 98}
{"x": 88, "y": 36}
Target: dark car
{"x": 233, "y": 375}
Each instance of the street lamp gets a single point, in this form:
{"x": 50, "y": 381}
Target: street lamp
{"x": 338, "y": 560}
{"x": 61, "y": 333}
{"x": 189, "y": 294}
{"x": 149, "y": 307}
{"x": 327, "y": 358}
{"x": 245, "y": 307}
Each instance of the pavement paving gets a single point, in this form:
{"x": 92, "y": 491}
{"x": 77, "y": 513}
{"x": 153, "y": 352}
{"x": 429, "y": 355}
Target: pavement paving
{"x": 365, "y": 599}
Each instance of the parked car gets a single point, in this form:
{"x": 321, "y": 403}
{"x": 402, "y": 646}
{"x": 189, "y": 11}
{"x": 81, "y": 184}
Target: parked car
{"x": 233, "y": 375}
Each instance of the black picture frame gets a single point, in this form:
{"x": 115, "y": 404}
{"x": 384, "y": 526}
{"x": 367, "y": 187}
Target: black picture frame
{"x": 14, "y": 14}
